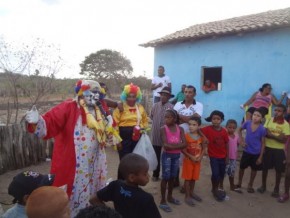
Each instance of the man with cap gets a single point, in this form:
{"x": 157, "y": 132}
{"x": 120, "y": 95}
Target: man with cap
{"x": 157, "y": 117}
{"x": 22, "y": 185}
{"x": 78, "y": 128}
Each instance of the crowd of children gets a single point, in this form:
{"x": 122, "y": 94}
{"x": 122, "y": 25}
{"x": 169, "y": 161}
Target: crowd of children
{"x": 263, "y": 142}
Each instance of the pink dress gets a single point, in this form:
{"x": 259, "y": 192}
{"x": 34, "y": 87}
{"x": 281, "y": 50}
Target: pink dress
{"x": 233, "y": 147}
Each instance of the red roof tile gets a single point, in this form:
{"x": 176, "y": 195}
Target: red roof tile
{"x": 249, "y": 23}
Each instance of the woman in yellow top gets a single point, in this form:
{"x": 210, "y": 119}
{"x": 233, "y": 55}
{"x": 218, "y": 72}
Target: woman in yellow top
{"x": 126, "y": 121}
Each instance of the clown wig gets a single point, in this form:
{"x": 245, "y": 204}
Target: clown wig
{"x": 84, "y": 85}
{"x": 128, "y": 89}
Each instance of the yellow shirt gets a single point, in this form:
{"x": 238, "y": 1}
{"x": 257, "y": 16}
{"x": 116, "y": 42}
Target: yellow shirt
{"x": 276, "y": 129}
{"x": 129, "y": 116}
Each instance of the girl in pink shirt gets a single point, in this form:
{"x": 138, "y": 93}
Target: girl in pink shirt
{"x": 173, "y": 141}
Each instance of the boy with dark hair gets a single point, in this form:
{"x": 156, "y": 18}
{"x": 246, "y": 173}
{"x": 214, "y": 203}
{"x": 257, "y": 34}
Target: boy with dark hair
{"x": 98, "y": 212}
{"x": 21, "y": 187}
{"x": 277, "y": 132}
{"x": 128, "y": 198}
{"x": 218, "y": 144}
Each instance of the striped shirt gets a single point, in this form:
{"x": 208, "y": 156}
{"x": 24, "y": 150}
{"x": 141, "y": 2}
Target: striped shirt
{"x": 157, "y": 117}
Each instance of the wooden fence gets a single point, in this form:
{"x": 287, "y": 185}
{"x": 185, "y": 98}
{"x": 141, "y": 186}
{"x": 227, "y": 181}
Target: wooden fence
{"x": 19, "y": 149}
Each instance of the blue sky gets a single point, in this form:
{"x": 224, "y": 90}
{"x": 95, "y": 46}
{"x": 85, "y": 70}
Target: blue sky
{"x": 81, "y": 27}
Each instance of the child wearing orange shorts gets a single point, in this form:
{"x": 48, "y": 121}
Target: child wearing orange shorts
{"x": 193, "y": 154}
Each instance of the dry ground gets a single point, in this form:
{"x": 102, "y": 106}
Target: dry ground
{"x": 239, "y": 205}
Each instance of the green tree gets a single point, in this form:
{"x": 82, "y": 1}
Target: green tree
{"x": 106, "y": 64}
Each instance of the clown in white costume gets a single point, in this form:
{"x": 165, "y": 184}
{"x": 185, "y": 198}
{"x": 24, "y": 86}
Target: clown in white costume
{"x": 78, "y": 127}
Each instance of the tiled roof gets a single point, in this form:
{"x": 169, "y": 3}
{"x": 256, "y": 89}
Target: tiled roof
{"x": 249, "y": 23}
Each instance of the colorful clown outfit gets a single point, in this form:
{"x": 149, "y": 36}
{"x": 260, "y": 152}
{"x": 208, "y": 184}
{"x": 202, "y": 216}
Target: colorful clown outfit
{"x": 131, "y": 116}
{"x": 79, "y": 159}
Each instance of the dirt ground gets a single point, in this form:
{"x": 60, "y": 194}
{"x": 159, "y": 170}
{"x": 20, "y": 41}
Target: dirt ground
{"x": 238, "y": 205}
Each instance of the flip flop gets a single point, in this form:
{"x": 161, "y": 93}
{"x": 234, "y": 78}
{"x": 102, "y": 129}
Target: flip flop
{"x": 283, "y": 198}
{"x": 196, "y": 197}
{"x": 222, "y": 193}
{"x": 238, "y": 190}
{"x": 238, "y": 186}
{"x": 218, "y": 196}
{"x": 174, "y": 201}
{"x": 189, "y": 202}
{"x": 165, "y": 208}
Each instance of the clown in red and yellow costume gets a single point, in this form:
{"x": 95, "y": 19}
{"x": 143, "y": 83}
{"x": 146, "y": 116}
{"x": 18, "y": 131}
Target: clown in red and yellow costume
{"x": 79, "y": 131}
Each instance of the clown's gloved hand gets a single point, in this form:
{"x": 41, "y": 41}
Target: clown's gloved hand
{"x": 32, "y": 116}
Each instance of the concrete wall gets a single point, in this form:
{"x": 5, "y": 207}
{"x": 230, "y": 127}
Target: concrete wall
{"x": 247, "y": 62}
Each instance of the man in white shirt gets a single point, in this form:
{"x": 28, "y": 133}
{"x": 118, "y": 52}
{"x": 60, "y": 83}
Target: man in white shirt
{"x": 188, "y": 108}
{"x": 159, "y": 82}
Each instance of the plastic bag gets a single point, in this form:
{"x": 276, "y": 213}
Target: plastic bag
{"x": 145, "y": 149}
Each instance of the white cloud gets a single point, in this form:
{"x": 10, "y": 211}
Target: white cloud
{"x": 81, "y": 27}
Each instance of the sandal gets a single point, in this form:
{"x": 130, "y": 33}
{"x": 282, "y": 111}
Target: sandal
{"x": 174, "y": 201}
{"x": 238, "y": 186}
{"x": 250, "y": 190}
{"x": 218, "y": 196}
{"x": 165, "y": 208}
{"x": 196, "y": 197}
{"x": 283, "y": 198}
{"x": 189, "y": 202}
{"x": 222, "y": 193}
{"x": 262, "y": 189}
{"x": 238, "y": 190}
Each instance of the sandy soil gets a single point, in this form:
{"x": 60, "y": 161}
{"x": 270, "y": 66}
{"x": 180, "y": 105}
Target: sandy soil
{"x": 239, "y": 205}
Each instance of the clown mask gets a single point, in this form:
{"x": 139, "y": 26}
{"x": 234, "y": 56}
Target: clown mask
{"x": 91, "y": 97}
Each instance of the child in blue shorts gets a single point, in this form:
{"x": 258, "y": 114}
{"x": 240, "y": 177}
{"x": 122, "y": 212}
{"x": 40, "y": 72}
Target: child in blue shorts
{"x": 173, "y": 141}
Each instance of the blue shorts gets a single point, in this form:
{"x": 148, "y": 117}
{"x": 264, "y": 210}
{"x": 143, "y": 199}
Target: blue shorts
{"x": 170, "y": 165}
{"x": 218, "y": 168}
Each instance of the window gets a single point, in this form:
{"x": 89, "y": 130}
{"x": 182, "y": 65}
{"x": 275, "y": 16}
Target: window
{"x": 211, "y": 79}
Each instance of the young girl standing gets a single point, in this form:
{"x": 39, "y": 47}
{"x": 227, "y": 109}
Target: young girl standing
{"x": 254, "y": 145}
{"x": 231, "y": 127}
{"x": 173, "y": 141}
{"x": 217, "y": 151}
